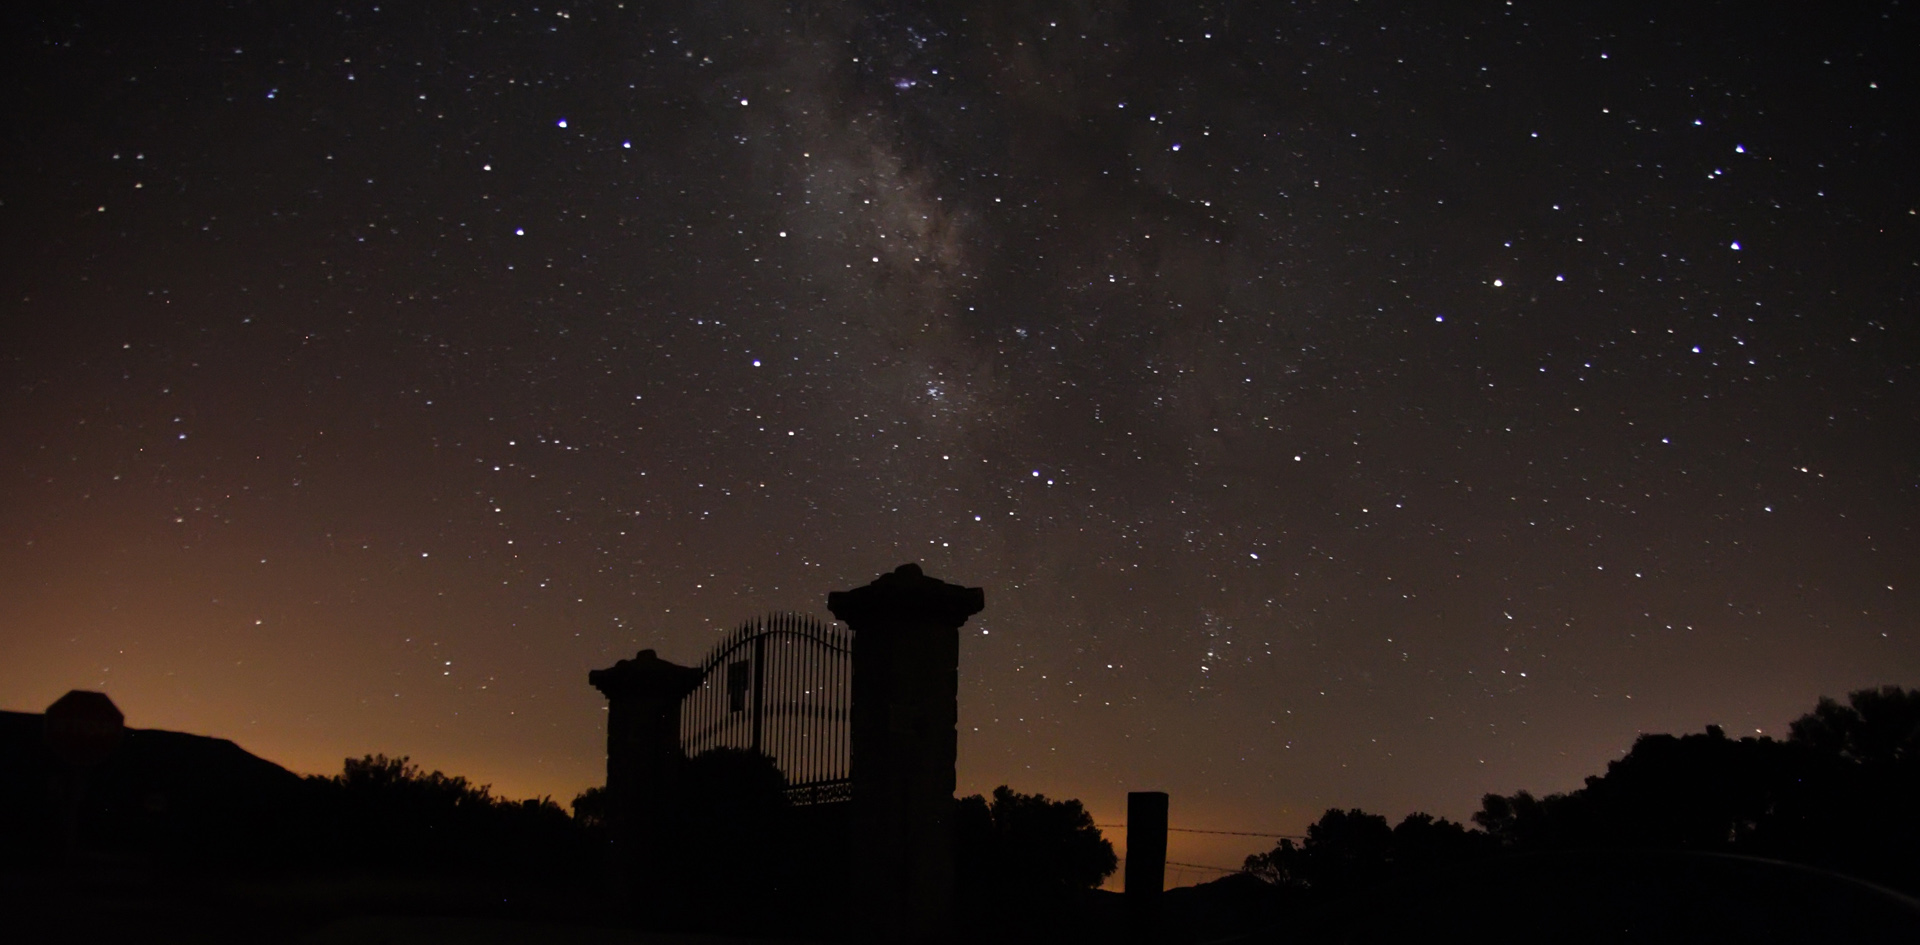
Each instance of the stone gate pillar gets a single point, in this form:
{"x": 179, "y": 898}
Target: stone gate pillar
{"x": 905, "y": 710}
{"x": 643, "y": 757}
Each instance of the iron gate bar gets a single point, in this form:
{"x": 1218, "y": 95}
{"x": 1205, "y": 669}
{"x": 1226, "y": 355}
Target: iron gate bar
{"x": 796, "y": 708}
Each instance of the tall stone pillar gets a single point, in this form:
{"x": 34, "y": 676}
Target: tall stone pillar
{"x": 643, "y": 759}
{"x": 905, "y": 713}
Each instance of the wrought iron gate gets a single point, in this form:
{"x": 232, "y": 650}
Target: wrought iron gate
{"x": 780, "y": 685}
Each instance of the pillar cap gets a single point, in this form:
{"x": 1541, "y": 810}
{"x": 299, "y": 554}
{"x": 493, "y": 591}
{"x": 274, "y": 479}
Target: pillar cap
{"x": 646, "y": 675}
{"x": 905, "y": 593}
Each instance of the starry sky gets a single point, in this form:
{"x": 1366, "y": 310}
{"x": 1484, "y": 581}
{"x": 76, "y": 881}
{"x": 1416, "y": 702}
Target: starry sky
{"x": 1340, "y": 403}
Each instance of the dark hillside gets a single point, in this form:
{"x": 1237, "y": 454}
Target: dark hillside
{"x": 161, "y": 797}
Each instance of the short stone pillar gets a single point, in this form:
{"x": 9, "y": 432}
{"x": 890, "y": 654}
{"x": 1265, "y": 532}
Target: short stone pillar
{"x": 904, "y": 731}
{"x": 643, "y": 757}
{"x": 83, "y": 728}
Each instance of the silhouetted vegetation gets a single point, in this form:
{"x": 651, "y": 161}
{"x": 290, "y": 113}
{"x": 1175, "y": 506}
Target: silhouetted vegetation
{"x": 388, "y": 814}
{"x": 590, "y": 808}
{"x": 725, "y": 850}
{"x": 1841, "y": 792}
{"x": 1020, "y": 856}
{"x": 726, "y": 833}
{"x": 1349, "y": 849}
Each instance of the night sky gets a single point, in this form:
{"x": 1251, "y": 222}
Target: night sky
{"x": 1341, "y": 405}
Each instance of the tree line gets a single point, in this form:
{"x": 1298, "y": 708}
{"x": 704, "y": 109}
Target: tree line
{"x": 1841, "y": 792}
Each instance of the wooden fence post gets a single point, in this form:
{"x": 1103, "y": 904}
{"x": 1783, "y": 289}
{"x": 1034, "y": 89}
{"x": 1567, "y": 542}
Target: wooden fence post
{"x": 1146, "y": 860}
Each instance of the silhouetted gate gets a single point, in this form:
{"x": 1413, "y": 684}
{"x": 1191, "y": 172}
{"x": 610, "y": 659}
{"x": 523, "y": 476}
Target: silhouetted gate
{"x": 780, "y": 685}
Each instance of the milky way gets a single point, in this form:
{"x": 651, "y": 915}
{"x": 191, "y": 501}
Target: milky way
{"x": 1340, "y": 405}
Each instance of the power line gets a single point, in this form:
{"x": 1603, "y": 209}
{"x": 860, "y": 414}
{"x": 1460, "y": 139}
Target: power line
{"x": 1194, "y": 866}
{"x": 1228, "y": 833}
{"x": 1201, "y": 866}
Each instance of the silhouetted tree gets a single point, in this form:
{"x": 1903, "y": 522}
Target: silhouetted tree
{"x": 1877, "y": 728}
{"x": 724, "y": 839}
{"x": 1423, "y": 840}
{"x": 1284, "y": 866}
{"x": 590, "y": 808}
{"x": 1024, "y": 853}
{"x": 1843, "y": 791}
{"x": 388, "y": 814}
{"x": 1703, "y": 791}
{"x": 1857, "y": 807}
{"x": 1347, "y": 849}
{"x": 401, "y": 783}
{"x": 726, "y": 813}
{"x": 1522, "y": 821}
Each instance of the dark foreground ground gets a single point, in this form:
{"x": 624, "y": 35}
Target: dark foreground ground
{"x": 1594, "y": 896}
{"x": 97, "y": 904}
{"x": 1611, "y": 896}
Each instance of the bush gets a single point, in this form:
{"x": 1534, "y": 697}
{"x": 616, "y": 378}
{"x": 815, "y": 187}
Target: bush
{"x": 1025, "y": 852}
